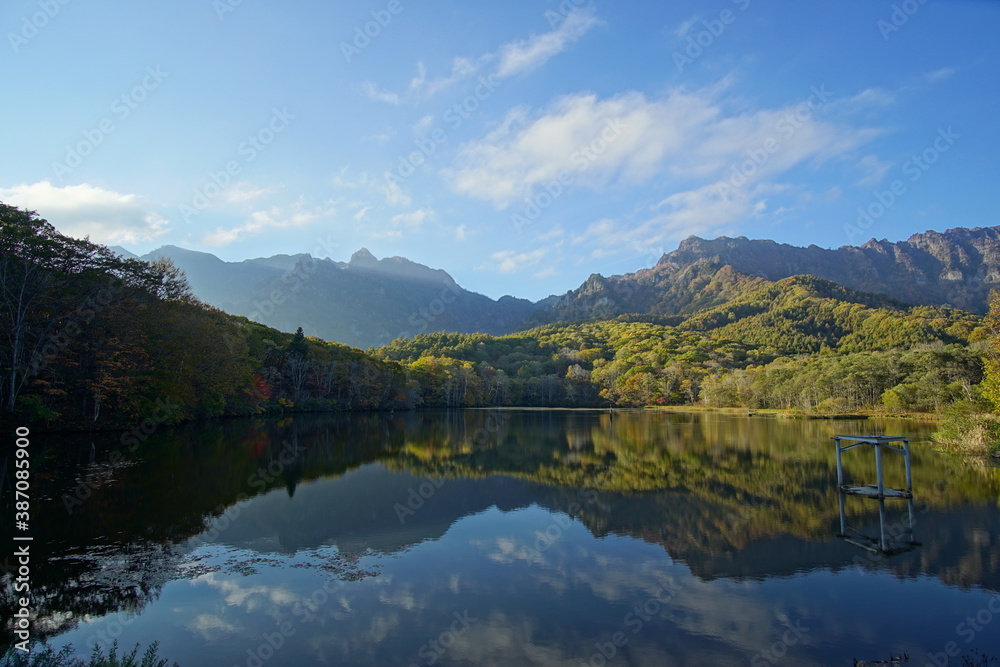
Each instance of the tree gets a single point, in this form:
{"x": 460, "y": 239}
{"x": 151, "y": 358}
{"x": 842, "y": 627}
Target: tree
{"x": 991, "y": 365}
{"x": 298, "y": 347}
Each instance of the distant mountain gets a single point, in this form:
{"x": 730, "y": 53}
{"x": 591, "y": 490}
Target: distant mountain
{"x": 958, "y": 267}
{"x": 365, "y": 302}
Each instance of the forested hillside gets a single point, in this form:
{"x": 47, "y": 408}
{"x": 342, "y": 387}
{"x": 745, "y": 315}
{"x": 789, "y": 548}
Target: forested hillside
{"x": 94, "y": 339}
{"x": 89, "y": 338}
{"x": 365, "y": 302}
{"x": 800, "y": 342}
{"x": 958, "y": 267}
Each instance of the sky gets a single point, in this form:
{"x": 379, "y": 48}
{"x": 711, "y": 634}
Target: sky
{"x": 520, "y": 146}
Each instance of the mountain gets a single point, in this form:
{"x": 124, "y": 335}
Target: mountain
{"x": 367, "y": 301}
{"x": 364, "y": 302}
{"x": 958, "y": 267}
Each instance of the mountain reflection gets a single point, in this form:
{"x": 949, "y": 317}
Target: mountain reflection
{"x": 731, "y": 498}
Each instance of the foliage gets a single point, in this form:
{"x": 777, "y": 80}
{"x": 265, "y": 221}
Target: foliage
{"x": 968, "y": 425}
{"x": 991, "y": 384}
{"x": 967, "y": 428}
{"x": 44, "y": 656}
{"x": 92, "y": 339}
{"x": 636, "y": 363}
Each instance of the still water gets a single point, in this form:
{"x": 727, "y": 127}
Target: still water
{"x": 515, "y": 537}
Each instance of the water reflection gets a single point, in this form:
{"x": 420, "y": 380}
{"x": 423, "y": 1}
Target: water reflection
{"x": 647, "y": 538}
{"x": 892, "y": 537}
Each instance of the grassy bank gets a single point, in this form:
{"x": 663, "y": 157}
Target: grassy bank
{"x": 796, "y": 413}
{"x": 967, "y": 429}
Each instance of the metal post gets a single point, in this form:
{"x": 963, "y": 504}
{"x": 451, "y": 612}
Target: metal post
{"x": 878, "y": 470}
{"x": 913, "y": 520}
{"x": 881, "y": 522}
{"x": 909, "y": 472}
{"x": 843, "y": 514}
{"x": 840, "y": 465}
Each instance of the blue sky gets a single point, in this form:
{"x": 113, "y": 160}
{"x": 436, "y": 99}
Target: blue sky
{"x": 520, "y": 146}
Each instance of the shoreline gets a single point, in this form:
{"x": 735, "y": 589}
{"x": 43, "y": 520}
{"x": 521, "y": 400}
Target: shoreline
{"x": 781, "y": 413}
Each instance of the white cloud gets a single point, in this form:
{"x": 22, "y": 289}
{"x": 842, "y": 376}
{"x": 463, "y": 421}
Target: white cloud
{"x": 362, "y": 212}
{"x": 704, "y": 211}
{"x": 394, "y": 194}
{"x": 684, "y": 27}
{"x": 942, "y": 74}
{"x": 383, "y": 137}
{"x": 460, "y": 233}
{"x": 211, "y": 627}
{"x": 412, "y": 219}
{"x": 513, "y": 58}
{"x": 869, "y": 97}
{"x": 553, "y": 234}
{"x": 874, "y": 170}
{"x": 528, "y": 54}
{"x": 105, "y": 216}
{"x": 424, "y": 125}
{"x": 686, "y": 138}
{"x": 344, "y": 179}
{"x": 420, "y": 87}
{"x": 242, "y": 192}
{"x": 547, "y": 272}
{"x": 275, "y": 217}
{"x": 377, "y": 94}
{"x": 510, "y": 261}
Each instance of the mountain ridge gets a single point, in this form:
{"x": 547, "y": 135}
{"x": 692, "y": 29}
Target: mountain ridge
{"x": 364, "y": 302}
{"x": 957, "y": 267}
{"x": 367, "y": 301}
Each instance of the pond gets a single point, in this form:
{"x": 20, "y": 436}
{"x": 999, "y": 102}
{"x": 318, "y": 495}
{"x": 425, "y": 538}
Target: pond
{"x": 511, "y": 537}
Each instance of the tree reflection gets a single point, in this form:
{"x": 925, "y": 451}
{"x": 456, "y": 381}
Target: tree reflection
{"x": 730, "y": 497}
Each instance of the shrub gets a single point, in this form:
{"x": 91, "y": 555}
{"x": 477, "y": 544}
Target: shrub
{"x": 966, "y": 428}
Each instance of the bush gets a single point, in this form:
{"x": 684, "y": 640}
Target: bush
{"x": 834, "y": 404}
{"x": 966, "y": 428}
{"x": 42, "y": 655}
